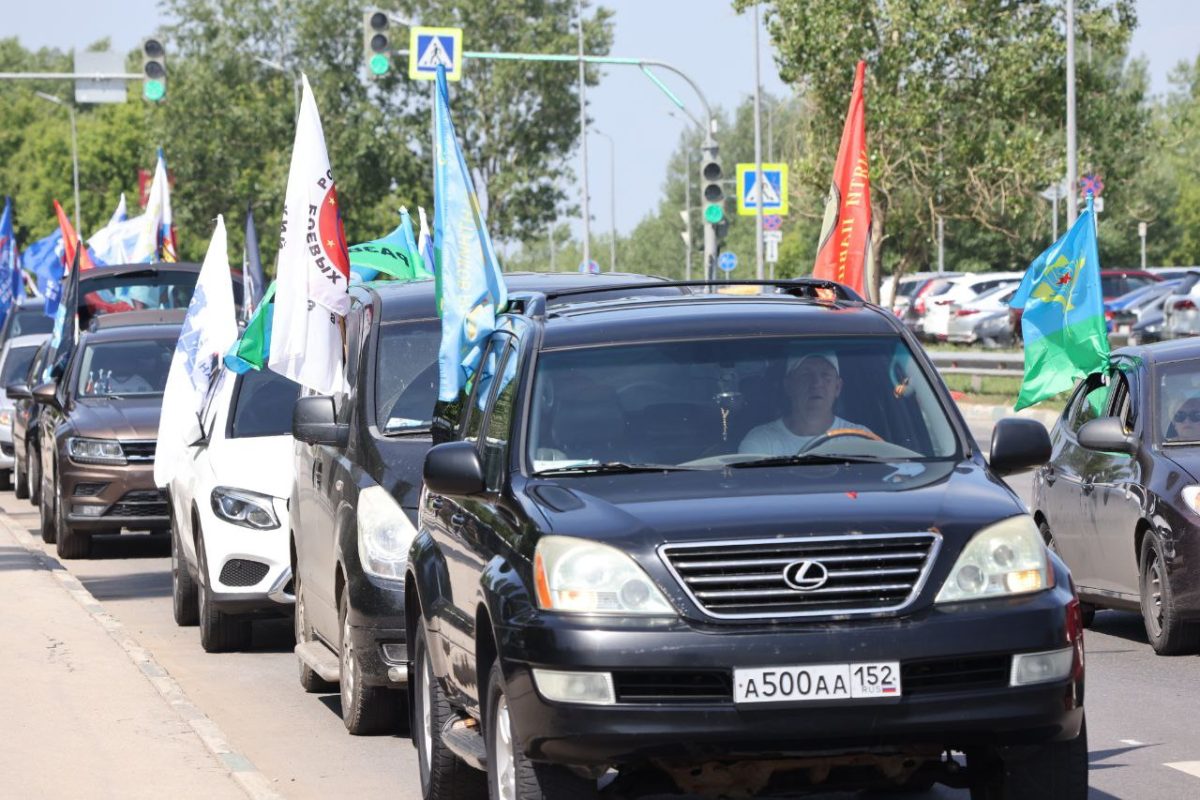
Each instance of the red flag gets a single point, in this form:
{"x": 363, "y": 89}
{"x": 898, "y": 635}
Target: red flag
{"x": 70, "y": 241}
{"x": 844, "y": 253}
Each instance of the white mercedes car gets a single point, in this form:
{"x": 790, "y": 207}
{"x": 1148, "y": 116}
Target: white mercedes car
{"x": 230, "y": 556}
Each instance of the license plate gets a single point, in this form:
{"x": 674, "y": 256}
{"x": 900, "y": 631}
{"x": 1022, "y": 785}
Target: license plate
{"x": 816, "y": 682}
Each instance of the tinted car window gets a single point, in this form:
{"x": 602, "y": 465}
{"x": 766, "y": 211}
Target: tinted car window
{"x": 406, "y": 375}
{"x": 699, "y": 402}
{"x": 1113, "y": 285}
{"x": 32, "y": 320}
{"x": 125, "y": 368}
{"x": 17, "y": 363}
{"x": 1179, "y": 402}
{"x": 1088, "y": 404}
{"x": 263, "y": 402}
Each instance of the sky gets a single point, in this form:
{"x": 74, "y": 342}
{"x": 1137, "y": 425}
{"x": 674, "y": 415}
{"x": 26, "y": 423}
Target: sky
{"x": 703, "y": 38}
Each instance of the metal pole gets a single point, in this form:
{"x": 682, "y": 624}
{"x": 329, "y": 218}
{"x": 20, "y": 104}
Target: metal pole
{"x": 771, "y": 134}
{"x": 758, "y": 173}
{"x": 552, "y": 268}
{"x": 941, "y": 244}
{"x": 75, "y": 166}
{"x": 687, "y": 210}
{"x": 612, "y": 188}
{"x": 583, "y": 150}
{"x": 1054, "y": 226}
{"x": 1072, "y": 169}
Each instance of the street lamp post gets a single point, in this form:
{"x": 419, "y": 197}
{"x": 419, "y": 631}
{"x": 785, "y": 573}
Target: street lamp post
{"x": 612, "y": 188}
{"x": 583, "y": 155}
{"x": 74, "y": 150}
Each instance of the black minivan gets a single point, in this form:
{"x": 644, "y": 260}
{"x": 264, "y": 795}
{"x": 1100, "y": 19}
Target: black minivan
{"x": 732, "y": 544}
{"x": 353, "y": 507}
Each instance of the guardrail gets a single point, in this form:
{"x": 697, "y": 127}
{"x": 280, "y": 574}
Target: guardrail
{"x": 978, "y": 365}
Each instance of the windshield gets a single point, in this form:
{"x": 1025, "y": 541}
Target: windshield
{"x": 30, "y": 320}
{"x": 17, "y": 364}
{"x": 1179, "y": 402}
{"x": 264, "y": 405}
{"x": 406, "y": 375}
{"x": 109, "y": 369}
{"x": 707, "y": 404}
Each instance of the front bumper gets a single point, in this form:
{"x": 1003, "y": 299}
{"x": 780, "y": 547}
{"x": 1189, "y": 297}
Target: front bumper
{"x": 103, "y": 498}
{"x": 957, "y": 712}
{"x": 377, "y": 625}
{"x": 249, "y": 570}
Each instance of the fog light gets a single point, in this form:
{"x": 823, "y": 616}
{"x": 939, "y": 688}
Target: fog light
{"x": 395, "y": 653}
{"x": 593, "y": 688}
{"x": 1029, "y": 668}
{"x": 86, "y": 511}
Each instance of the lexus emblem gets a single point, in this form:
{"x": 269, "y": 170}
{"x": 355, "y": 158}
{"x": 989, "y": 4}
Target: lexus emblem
{"x": 805, "y": 576}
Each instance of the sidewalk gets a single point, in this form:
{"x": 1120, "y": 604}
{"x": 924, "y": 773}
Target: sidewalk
{"x": 79, "y": 719}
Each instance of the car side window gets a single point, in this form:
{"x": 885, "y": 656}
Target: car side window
{"x": 1122, "y": 404}
{"x": 1089, "y": 402}
{"x": 494, "y": 453}
{"x": 473, "y": 409}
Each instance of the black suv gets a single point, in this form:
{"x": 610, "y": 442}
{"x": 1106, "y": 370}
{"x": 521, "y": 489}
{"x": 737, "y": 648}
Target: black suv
{"x": 353, "y": 507}
{"x": 732, "y": 544}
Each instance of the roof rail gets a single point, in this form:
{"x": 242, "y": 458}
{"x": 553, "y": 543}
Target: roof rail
{"x": 813, "y": 288}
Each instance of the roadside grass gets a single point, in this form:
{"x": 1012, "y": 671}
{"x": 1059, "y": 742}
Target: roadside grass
{"x": 1001, "y": 390}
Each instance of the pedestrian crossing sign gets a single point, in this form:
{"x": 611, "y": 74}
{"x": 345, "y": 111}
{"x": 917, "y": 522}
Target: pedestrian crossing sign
{"x": 429, "y": 48}
{"x": 774, "y": 190}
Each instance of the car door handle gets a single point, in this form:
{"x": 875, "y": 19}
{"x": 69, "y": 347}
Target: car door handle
{"x": 1051, "y": 476}
{"x": 435, "y": 501}
{"x": 458, "y": 520}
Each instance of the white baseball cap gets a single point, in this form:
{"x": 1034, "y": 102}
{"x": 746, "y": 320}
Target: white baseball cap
{"x": 795, "y": 361}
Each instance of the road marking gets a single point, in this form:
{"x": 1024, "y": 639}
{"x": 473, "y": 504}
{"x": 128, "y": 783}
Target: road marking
{"x": 1188, "y": 767}
{"x": 255, "y": 784}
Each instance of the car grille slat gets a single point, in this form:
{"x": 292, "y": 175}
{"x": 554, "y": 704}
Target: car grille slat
{"x": 863, "y": 574}
{"x": 139, "y": 452}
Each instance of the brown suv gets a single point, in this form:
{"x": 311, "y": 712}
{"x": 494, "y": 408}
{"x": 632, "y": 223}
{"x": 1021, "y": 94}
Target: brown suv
{"x": 99, "y": 424}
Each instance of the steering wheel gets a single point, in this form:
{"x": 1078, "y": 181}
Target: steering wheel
{"x": 835, "y": 434}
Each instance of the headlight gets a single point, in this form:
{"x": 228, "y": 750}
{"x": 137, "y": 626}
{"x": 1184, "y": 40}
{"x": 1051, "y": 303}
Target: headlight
{"x": 384, "y": 534}
{"x": 95, "y": 451}
{"x": 583, "y": 576}
{"x": 1191, "y": 497}
{"x": 245, "y": 508}
{"x": 1004, "y": 559}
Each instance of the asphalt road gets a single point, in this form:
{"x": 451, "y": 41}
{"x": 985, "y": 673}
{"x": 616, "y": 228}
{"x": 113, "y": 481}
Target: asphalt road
{"x": 1141, "y": 708}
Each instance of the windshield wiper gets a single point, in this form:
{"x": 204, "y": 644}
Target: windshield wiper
{"x": 810, "y": 458}
{"x": 612, "y": 468}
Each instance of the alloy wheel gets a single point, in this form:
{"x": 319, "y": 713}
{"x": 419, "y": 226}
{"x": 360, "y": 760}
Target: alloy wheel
{"x": 506, "y": 771}
{"x": 347, "y": 677}
{"x": 425, "y": 714}
{"x": 1154, "y": 578}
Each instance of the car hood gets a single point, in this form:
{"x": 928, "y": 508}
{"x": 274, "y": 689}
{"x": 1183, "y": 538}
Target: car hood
{"x": 633, "y": 511}
{"x": 260, "y": 464}
{"x": 127, "y": 419}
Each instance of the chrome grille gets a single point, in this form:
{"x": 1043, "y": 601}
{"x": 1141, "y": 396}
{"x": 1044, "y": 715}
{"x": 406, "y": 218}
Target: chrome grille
{"x": 139, "y": 452}
{"x": 864, "y": 574}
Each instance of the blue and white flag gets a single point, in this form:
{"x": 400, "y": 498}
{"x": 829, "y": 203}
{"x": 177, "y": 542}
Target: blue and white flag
{"x": 209, "y": 330}
{"x": 10, "y": 265}
{"x": 116, "y": 242}
{"x": 44, "y": 258}
{"x": 470, "y": 288}
{"x": 425, "y": 241}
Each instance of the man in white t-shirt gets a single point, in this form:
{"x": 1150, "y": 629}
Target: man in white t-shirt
{"x": 812, "y": 384}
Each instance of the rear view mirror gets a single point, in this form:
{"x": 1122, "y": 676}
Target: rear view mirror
{"x": 314, "y": 421}
{"x": 18, "y": 391}
{"x": 453, "y": 468}
{"x": 1019, "y": 444}
{"x": 47, "y": 393}
{"x": 1106, "y": 435}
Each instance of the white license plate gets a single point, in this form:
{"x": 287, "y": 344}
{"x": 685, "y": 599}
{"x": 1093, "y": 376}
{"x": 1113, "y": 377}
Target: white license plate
{"x": 816, "y": 682}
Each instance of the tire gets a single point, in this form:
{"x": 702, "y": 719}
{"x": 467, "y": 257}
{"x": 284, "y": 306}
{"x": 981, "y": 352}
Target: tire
{"x": 33, "y": 465}
{"x": 20, "y": 481}
{"x": 46, "y": 516}
{"x": 219, "y": 632}
{"x": 310, "y": 681}
{"x": 443, "y": 775}
{"x": 70, "y": 542}
{"x": 1053, "y": 771}
{"x": 366, "y": 710}
{"x": 1168, "y": 632}
{"x": 185, "y": 601}
{"x": 510, "y": 773}
{"x": 1087, "y": 611}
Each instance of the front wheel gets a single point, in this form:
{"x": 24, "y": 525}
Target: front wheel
{"x": 366, "y": 710}
{"x": 70, "y": 542}
{"x": 1053, "y": 771}
{"x": 1168, "y": 632}
{"x": 184, "y": 600}
{"x": 46, "y": 516}
{"x": 33, "y": 464}
{"x": 511, "y": 775}
{"x": 20, "y": 480}
{"x": 444, "y": 776}
{"x": 219, "y": 632}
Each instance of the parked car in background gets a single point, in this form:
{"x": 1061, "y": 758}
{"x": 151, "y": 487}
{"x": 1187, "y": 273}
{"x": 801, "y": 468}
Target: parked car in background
{"x": 1113, "y": 284}
{"x": 1181, "y": 308}
{"x": 939, "y": 309}
{"x": 230, "y": 549}
{"x": 1138, "y": 315}
{"x": 26, "y": 455}
{"x": 98, "y": 431}
{"x": 357, "y": 480}
{"x": 913, "y": 314}
{"x": 898, "y": 296}
{"x": 994, "y": 330}
{"x": 16, "y": 354}
{"x": 965, "y": 317}
{"x": 27, "y": 316}
{"x": 1166, "y": 273}
{"x": 1119, "y": 499}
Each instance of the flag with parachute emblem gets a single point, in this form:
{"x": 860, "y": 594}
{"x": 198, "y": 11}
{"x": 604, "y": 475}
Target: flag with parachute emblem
{"x": 844, "y": 249}
{"x": 311, "y": 294}
{"x": 470, "y": 289}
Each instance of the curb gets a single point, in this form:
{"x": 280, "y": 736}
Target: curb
{"x": 255, "y": 784}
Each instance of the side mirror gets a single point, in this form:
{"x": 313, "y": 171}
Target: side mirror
{"x": 1019, "y": 444}
{"x": 453, "y": 468}
{"x": 315, "y": 422}
{"x": 1106, "y": 435}
{"x": 18, "y": 391}
{"x": 47, "y": 394}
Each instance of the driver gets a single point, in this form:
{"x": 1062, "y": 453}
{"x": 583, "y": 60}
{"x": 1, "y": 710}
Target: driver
{"x": 812, "y": 384}
{"x": 128, "y": 374}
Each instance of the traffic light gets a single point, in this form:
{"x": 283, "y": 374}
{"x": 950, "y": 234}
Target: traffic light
{"x": 710, "y": 186}
{"x": 377, "y": 43}
{"x": 154, "y": 70}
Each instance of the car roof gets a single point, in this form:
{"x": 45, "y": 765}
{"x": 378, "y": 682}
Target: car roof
{"x": 1164, "y": 352}
{"x": 109, "y": 270}
{"x": 27, "y": 340}
{"x": 700, "y": 316}
{"x": 147, "y": 316}
{"x": 131, "y": 333}
{"x": 979, "y": 277}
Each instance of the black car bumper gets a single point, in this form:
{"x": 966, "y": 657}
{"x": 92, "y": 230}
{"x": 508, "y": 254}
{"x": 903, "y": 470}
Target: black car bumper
{"x": 376, "y": 616}
{"x": 955, "y": 664}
